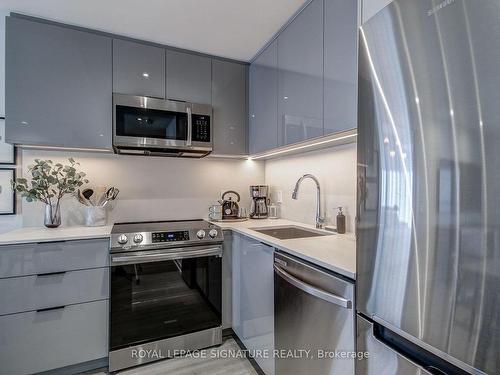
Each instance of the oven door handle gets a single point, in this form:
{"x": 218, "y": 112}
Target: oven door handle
{"x": 189, "y": 141}
{"x": 159, "y": 255}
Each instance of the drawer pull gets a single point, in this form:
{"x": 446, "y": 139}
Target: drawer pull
{"x": 51, "y": 274}
{"x": 49, "y": 242}
{"x": 51, "y": 308}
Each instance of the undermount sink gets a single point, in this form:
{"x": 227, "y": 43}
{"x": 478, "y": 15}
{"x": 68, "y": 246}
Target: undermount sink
{"x": 290, "y": 232}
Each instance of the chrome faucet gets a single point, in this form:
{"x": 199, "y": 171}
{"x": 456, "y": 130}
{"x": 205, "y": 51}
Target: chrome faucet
{"x": 319, "y": 219}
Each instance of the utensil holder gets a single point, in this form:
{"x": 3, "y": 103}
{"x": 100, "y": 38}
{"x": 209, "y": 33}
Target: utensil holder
{"x": 95, "y": 216}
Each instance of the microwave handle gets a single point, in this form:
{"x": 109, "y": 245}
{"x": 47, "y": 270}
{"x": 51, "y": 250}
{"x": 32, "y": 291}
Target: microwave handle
{"x": 189, "y": 127}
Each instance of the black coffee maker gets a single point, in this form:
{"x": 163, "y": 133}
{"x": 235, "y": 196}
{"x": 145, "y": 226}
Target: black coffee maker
{"x": 259, "y": 195}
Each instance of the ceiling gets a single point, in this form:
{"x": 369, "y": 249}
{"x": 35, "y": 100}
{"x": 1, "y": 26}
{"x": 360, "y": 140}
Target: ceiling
{"x": 236, "y": 29}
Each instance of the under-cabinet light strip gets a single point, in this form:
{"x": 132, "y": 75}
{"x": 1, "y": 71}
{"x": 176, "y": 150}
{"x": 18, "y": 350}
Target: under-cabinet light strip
{"x": 58, "y": 148}
{"x": 342, "y": 138}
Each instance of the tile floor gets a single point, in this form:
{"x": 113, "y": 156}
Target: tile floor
{"x": 197, "y": 366}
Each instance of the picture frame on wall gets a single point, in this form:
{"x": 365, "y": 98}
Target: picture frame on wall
{"x": 7, "y": 151}
{"x": 7, "y": 193}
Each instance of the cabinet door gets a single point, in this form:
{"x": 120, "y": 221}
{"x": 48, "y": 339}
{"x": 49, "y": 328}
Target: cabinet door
{"x": 189, "y": 77}
{"x": 37, "y": 341}
{"x": 263, "y": 89}
{"x": 138, "y": 69}
{"x": 253, "y": 297}
{"x": 300, "y": 79}
{"x": 340, "y": 61}
{"x": 3, "y": 14}
{"x": 229, "y": 107}
{"x": 58, "y": 86}
{"x": 227, "y": 280}
{"x": 372, "y": 7}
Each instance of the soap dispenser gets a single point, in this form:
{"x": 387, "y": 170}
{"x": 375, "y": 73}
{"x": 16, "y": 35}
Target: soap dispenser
{"x": 340, "y": 221}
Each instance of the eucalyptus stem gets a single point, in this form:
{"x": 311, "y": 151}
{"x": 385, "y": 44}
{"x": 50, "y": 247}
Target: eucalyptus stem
{"x": 50, "y": 182}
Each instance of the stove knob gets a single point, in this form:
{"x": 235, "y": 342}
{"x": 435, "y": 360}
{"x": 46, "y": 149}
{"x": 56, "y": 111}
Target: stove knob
{"x": 213, "y": 233}
{"x": 201, "y": 234}
{"x": 123, "y": 239}
{"x": 138, "y": 238}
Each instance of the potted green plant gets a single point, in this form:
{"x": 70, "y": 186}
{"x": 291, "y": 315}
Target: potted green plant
{"x": 49, "y": 183}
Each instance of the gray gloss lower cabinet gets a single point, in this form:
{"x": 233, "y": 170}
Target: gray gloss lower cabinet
{"x": 263, "y": 96}
{"x": 300, "y": 77}
{"x": 47, "y": 290}
{"x": 227, "y": 280}
{"x": 340, "y": 65}
{"x": 253, "y": 298}
{"x": 37, "y": 341}
{"x": 138, "y": 69}
{"x": 189, "y": 77}
{"x": 229, "y": 107}
{"x": 54, "y": 305}
{"x": 58, "y": 86}
{"x": 44, "y": 257}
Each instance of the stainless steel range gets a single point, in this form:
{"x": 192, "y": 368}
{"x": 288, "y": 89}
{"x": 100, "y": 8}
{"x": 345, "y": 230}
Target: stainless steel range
{"x": 166, "y": 290}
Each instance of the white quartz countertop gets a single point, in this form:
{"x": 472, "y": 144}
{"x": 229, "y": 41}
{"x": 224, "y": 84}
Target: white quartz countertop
{"x": 336, "y": 252}
{"x": 42, "y": 234}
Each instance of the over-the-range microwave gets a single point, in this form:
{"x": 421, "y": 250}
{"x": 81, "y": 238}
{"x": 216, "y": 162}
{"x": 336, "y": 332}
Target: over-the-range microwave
{"x": 157, "y": 127}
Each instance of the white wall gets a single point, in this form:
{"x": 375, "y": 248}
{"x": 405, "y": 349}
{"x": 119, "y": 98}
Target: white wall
{"x": 169, "y": 188}
{"x": 336, "y": 170}
{"x": 151, "y": 188}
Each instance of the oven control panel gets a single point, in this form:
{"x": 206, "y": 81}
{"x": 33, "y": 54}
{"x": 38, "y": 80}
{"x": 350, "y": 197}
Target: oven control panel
{"x": 201, "y": 128}
{"x": 157, "y": 237}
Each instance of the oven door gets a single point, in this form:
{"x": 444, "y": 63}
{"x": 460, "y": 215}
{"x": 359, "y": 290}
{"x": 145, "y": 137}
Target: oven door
{"x": 163, "y": 295}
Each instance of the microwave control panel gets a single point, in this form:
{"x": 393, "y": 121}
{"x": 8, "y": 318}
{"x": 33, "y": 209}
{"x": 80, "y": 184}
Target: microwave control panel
{"x": 201, "y": 128}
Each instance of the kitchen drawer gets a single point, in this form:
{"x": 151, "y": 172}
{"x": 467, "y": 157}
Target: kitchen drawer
{"x": 34, "y": 292}
{"x": 33, "y": 342}
{"x": 44, "y": 257}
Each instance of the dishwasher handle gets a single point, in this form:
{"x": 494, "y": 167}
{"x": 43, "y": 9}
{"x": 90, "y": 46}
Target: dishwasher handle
{"x": 326, "y": 296}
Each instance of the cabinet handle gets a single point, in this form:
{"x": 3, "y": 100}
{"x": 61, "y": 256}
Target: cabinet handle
{"x": 51, "y": 308}
{"x": 50, "y": 274}
{"x": 190, "y": 127}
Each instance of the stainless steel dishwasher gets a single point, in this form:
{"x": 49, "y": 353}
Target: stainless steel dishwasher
{"x": 313, "y": 319}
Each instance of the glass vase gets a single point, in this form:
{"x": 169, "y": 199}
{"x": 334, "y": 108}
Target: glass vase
{"x": 52, "y": 215}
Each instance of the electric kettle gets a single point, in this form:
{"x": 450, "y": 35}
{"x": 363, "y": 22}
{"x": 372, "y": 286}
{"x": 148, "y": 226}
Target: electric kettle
{"x": 230, "y": 207}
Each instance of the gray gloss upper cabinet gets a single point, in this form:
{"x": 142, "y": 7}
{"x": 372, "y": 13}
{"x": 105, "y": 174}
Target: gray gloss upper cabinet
{"x": 372, "y": 7}
{"x": 263, "y": 95}
{"x": 58, "y": 86}
{"x": 229, "y": 107}
{"x": 340, "y": 65}
{"x": 300, "y": 78}
{"x": 138, "y": 69}
{"x": 189, "y": 77}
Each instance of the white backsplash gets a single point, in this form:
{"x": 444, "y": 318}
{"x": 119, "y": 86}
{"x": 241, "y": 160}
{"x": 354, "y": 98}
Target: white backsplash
{"x": 151, "y": 188}
{"x": 169, "y": 188}
{"x": 335, "y": 169}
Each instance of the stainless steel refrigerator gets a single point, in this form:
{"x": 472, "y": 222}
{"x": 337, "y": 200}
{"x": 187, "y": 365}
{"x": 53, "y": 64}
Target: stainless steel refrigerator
{"x": 428, "y": 215}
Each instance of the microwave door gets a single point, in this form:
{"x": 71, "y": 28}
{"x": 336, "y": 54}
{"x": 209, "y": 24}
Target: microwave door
{"x": 150, "y": 127}
{"x": 161, "y": 126}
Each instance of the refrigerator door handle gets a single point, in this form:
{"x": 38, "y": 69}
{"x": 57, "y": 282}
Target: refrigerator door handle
{"x": 329, "y": 297}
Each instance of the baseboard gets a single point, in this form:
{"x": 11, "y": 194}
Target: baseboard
{"x": 101, "y": 363}
{"x": 242, "y": 346}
